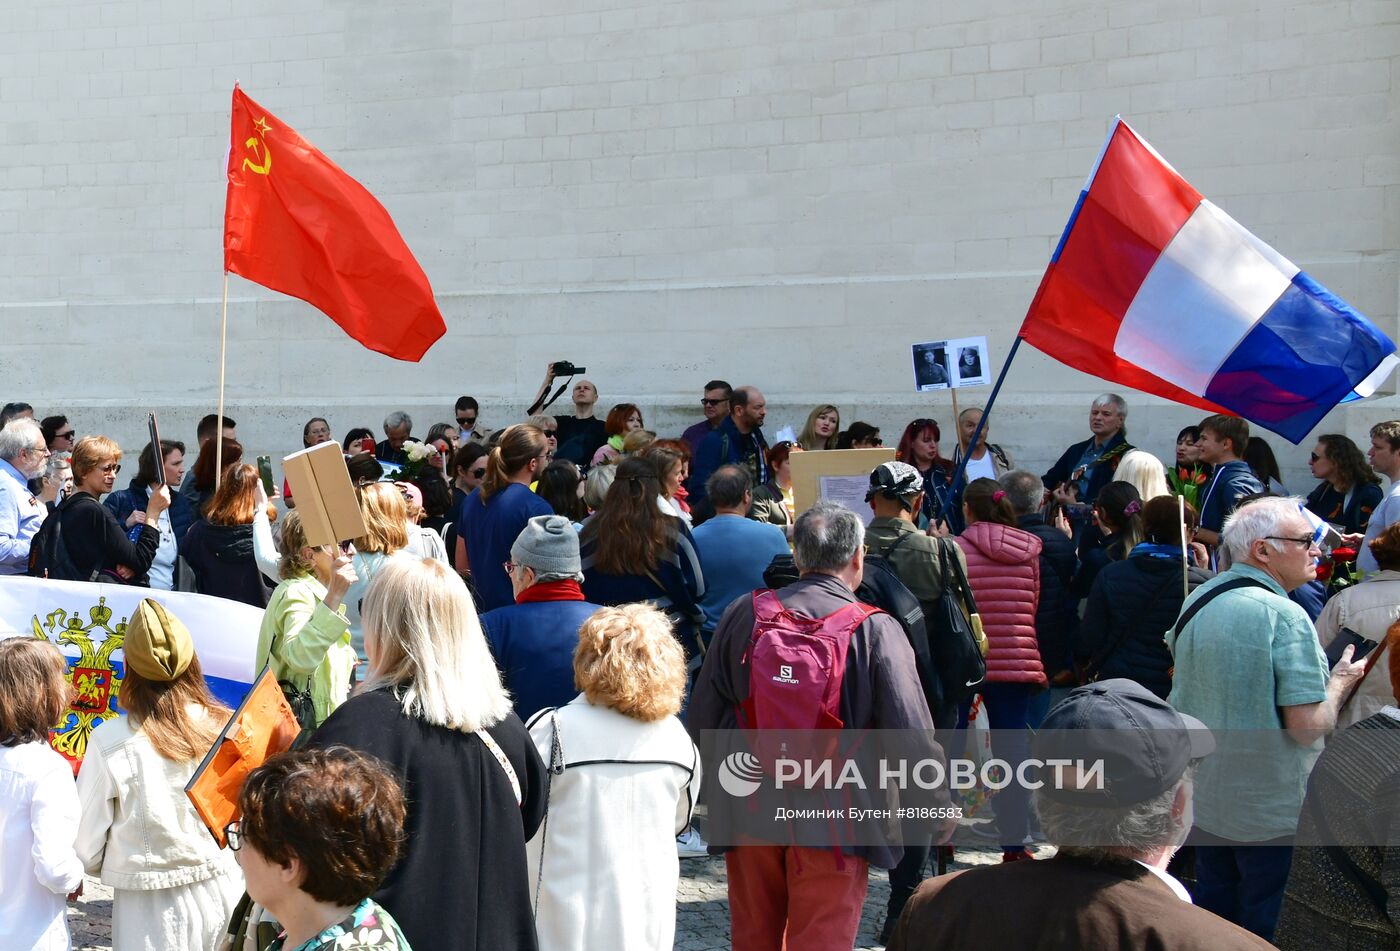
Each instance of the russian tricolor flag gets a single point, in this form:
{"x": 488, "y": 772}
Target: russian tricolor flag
{"x": 1154, "y": 287}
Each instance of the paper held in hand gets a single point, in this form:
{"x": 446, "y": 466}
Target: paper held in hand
{"x": 330, "y": 511}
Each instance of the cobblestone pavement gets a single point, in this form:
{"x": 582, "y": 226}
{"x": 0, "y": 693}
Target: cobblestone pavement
{"x": 702, "y": 909}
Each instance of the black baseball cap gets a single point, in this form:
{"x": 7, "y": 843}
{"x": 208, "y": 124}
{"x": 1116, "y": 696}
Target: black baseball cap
{"x": 1143, "y": 743}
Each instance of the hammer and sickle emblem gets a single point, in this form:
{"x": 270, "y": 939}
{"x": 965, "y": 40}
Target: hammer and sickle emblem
{"x": 258, "y": 146}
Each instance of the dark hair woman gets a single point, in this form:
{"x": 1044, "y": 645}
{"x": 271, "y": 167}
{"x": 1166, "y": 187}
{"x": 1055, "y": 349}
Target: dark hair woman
{"x": 58, "y": 435}
{"x": 1134, "y": 600}
{"x": 632, "y": 551}
{"x": 861, "y": 435}
{"x": 41, "y": 866}
{"x": 202, "y": 483}
{"x": 318, "y": 830}
{"x": 559, "y": 486}
{"x": 497, "y": 510}
{"x": 1003, "y": 568}
{"x": 129, "y": 507}
{"x": 1116, "y": 512}
{"x": 1349, "y": 490}
{"x": 354, "y": 441}
{"x": 97, "y": 545}
{"x": 1260, "y": 459}
{"x": 219, "y": 547}
{"x": 174, "y": 886}
{"x": 918, "y": 446}
{"x": 772, "y": 501}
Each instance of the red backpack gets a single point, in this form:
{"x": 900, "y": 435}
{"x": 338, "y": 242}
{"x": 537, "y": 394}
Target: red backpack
{"x": 796, "y": 665}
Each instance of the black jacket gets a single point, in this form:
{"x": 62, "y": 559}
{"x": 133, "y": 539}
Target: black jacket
{"x": 1132, "y": 605}
{"x": 1100, "y": 471}
{"x": 221, "y": 557}
{"x": 461, "y": 882}
{"x": 1055, "y": 616}
{"x": 96, "y": 541}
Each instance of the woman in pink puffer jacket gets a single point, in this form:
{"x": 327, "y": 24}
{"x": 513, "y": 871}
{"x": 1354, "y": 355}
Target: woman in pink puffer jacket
{"x": 1003, "y": 567}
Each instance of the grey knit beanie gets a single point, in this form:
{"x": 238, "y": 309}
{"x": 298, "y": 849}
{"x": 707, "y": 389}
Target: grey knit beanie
{"x": 549, "y": 544}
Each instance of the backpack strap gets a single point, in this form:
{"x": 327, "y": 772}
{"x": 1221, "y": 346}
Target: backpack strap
{"x": 1231, "y": 585}
{"x": 766, "y": 606}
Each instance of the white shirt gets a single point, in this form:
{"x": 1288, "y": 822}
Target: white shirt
{"x": 1171, "y": 882}
{"x": 982, "y": 468}
{"x": 39, "y": 865}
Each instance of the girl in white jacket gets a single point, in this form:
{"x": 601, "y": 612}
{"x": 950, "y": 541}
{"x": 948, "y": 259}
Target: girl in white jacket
{"x": 38, "y": 805}
{"x": 173, "y": 887}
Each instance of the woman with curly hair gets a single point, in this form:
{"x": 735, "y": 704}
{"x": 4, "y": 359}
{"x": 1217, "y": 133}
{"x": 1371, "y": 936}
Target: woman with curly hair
{"x": 317, "y": 833}
{"x": 822, "y": 429}
{"x": 626, "y": 773}
{"x": 1349, "y": 491}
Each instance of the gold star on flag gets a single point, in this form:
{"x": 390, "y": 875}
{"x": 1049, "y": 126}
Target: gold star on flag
{"x": 261, "y": 126}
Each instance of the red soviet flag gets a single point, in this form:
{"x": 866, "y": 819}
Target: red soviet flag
{"x": 296, "y": 223}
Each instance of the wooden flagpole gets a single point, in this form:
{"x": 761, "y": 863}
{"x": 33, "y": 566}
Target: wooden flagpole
{"x": 219, "y": 421}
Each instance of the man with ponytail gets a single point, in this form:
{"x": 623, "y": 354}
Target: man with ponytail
{"x": 496, "y": 512}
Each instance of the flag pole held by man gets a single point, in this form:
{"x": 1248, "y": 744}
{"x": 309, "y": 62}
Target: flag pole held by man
{"x": 295, "y": 222}
{"x": 1154, "y": 287}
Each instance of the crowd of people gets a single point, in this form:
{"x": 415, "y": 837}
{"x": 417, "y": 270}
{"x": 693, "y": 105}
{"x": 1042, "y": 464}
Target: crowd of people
{"x": 505, "y": 682}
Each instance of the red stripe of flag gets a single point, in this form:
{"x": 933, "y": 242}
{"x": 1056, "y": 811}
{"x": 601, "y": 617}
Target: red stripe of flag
{"x": 1135, "y": 204}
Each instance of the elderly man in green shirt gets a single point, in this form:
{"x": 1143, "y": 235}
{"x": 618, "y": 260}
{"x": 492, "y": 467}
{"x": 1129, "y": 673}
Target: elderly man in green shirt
{"x": 1249, "y": 666}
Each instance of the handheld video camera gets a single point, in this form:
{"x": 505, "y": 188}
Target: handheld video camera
{"x": 565, "y": 368}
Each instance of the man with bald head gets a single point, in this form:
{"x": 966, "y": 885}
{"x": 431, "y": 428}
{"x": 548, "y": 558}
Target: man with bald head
{"x": 737, "y": 441}
{"x": 581, "y": 434}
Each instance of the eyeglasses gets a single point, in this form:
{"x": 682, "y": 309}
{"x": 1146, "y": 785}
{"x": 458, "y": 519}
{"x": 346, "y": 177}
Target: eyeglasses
{"x": 233, "y": 832}
{"x": 38, "y": 451}
{"x": 466, "y": 421}
{"x": 705, "y": 402}
{"x": 68, "y": 435}
{"x": 1313, "y": 457}
{"x": 1306, "y": 541}
{"x": 550, "y": 432}
{"x": 509, "y": 566}
{"x": 112, "y": 467}
{"x": 478, "y": 473}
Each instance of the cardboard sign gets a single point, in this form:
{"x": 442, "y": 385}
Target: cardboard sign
{"x": 262, "y": 726}
{"x": 326, "y": 500}
{"x": 838, "y": 475}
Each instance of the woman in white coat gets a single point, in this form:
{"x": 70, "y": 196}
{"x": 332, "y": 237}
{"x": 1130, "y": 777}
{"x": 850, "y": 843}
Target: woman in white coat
{"x": 173, "y": 887}
{"x": 624, "y": 780}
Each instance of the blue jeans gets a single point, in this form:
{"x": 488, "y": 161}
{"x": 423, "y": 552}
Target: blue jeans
{"x": 1242, "y": 882}
{"x": 1008, "y": 712}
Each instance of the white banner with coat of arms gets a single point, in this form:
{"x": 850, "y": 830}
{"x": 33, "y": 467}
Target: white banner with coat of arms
{"x": 88, "y": 623}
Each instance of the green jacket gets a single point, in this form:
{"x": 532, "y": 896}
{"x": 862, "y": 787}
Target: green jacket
{"x": 917, "y": 561}
{"x": 307, "y": 643}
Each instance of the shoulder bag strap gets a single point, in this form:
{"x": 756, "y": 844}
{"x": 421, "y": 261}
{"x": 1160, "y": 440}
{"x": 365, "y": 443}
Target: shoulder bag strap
{"x": 554, "y": 767}
{"x": 1208, "y": 597}
{"x": 499, "y": 754}
{"x": 1356, "y": 688}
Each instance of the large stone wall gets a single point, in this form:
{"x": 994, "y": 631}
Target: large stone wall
{"x": 775, "y": 192}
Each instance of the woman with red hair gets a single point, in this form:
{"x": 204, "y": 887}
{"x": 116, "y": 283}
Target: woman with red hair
{"x": 623, "y": 418}
{"x": 918, "y": 446}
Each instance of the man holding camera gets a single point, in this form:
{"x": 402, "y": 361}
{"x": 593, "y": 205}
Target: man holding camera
{"x": 581, "y": 434}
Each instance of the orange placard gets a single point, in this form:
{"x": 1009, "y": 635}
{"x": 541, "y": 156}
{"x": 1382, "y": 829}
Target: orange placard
{"x": 261, "y": 727}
